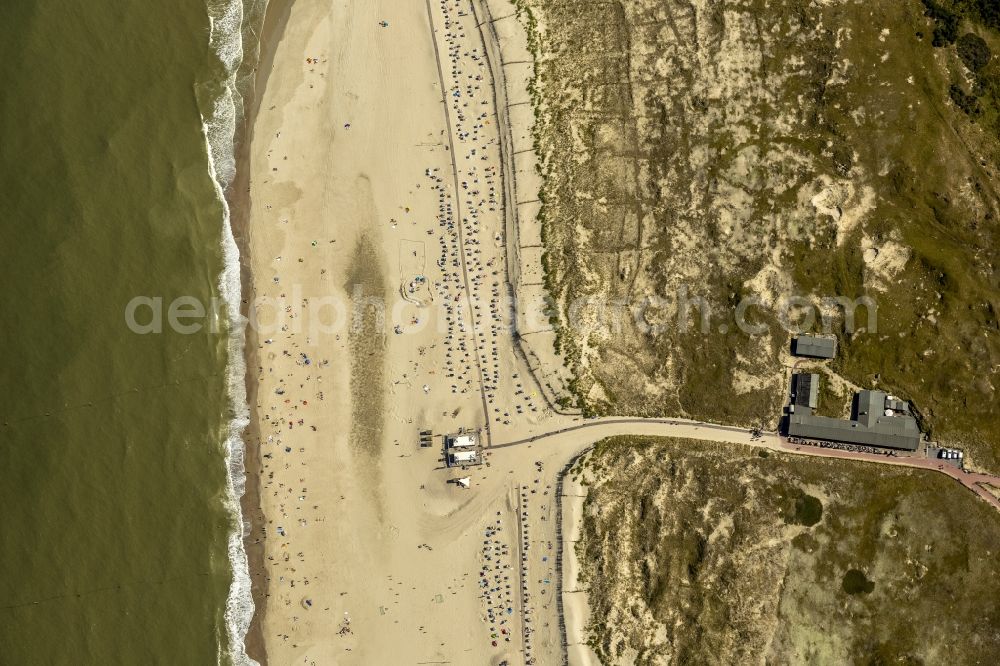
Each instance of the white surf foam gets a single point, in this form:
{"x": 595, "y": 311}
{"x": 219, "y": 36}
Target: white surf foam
{"x": 239, "y": 604}
{"x": 226, "y": 40}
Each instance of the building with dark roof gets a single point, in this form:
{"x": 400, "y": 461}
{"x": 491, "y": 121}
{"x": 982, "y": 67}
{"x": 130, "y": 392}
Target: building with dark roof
{"x": 814, "y": 346}
{"x": 871, "y": 424}
{"x": 897, "y": 405}
{"x": 805, "y": 390}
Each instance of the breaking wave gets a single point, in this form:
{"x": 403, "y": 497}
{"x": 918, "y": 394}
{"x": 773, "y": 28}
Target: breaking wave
{"x": 228, "y": 21}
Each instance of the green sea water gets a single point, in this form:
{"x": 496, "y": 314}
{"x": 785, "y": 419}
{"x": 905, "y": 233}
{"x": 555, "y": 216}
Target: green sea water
{"x": 114, "y": 523}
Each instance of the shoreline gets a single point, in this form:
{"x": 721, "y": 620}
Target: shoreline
{"x": 238, "y": 196}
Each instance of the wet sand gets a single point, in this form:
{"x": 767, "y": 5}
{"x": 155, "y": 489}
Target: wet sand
{"x": 238, "y": 196}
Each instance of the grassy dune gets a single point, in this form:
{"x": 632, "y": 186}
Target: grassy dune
{"x": 700, "y": 553}
{"x": 772, "y": 149}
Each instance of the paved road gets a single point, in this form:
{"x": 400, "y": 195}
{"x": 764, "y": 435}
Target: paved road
{"x": 569, "y": 436}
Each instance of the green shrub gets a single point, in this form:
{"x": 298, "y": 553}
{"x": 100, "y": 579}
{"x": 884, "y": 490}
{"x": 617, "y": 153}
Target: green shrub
{"x": 945, "y": 23}
{"x": 973, "y": 51}
{"x": 989, "y": 13}
{"x": 968, "y": 103}
{"x": 855, "y": 582}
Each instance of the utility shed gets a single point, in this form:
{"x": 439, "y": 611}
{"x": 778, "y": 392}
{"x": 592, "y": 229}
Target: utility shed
{"x": 897, "y": 405}
{"x": 814, "y": 346}
{"x": 805, "y": 390}
{"x": 868, "y": 426}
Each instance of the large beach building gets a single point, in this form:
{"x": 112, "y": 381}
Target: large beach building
{"x": 876, "y": 420}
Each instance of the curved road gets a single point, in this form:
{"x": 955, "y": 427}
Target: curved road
{"x": 601, "y": 428}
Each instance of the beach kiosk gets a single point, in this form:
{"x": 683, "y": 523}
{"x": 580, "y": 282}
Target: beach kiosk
{"x": 462, "y": 448}
{"x": 462, "y": 457}
{"x": 462, "y": 441}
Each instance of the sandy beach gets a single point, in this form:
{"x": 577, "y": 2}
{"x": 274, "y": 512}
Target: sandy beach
{"x": 576, "y": 609}
{"x": 376, "y": 178}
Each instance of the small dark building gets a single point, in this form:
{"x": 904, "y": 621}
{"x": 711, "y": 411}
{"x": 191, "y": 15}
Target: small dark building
{"x": 805, "y": 390}
{"x": 813, "y": 346}
{"x": 897, "y": 405}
